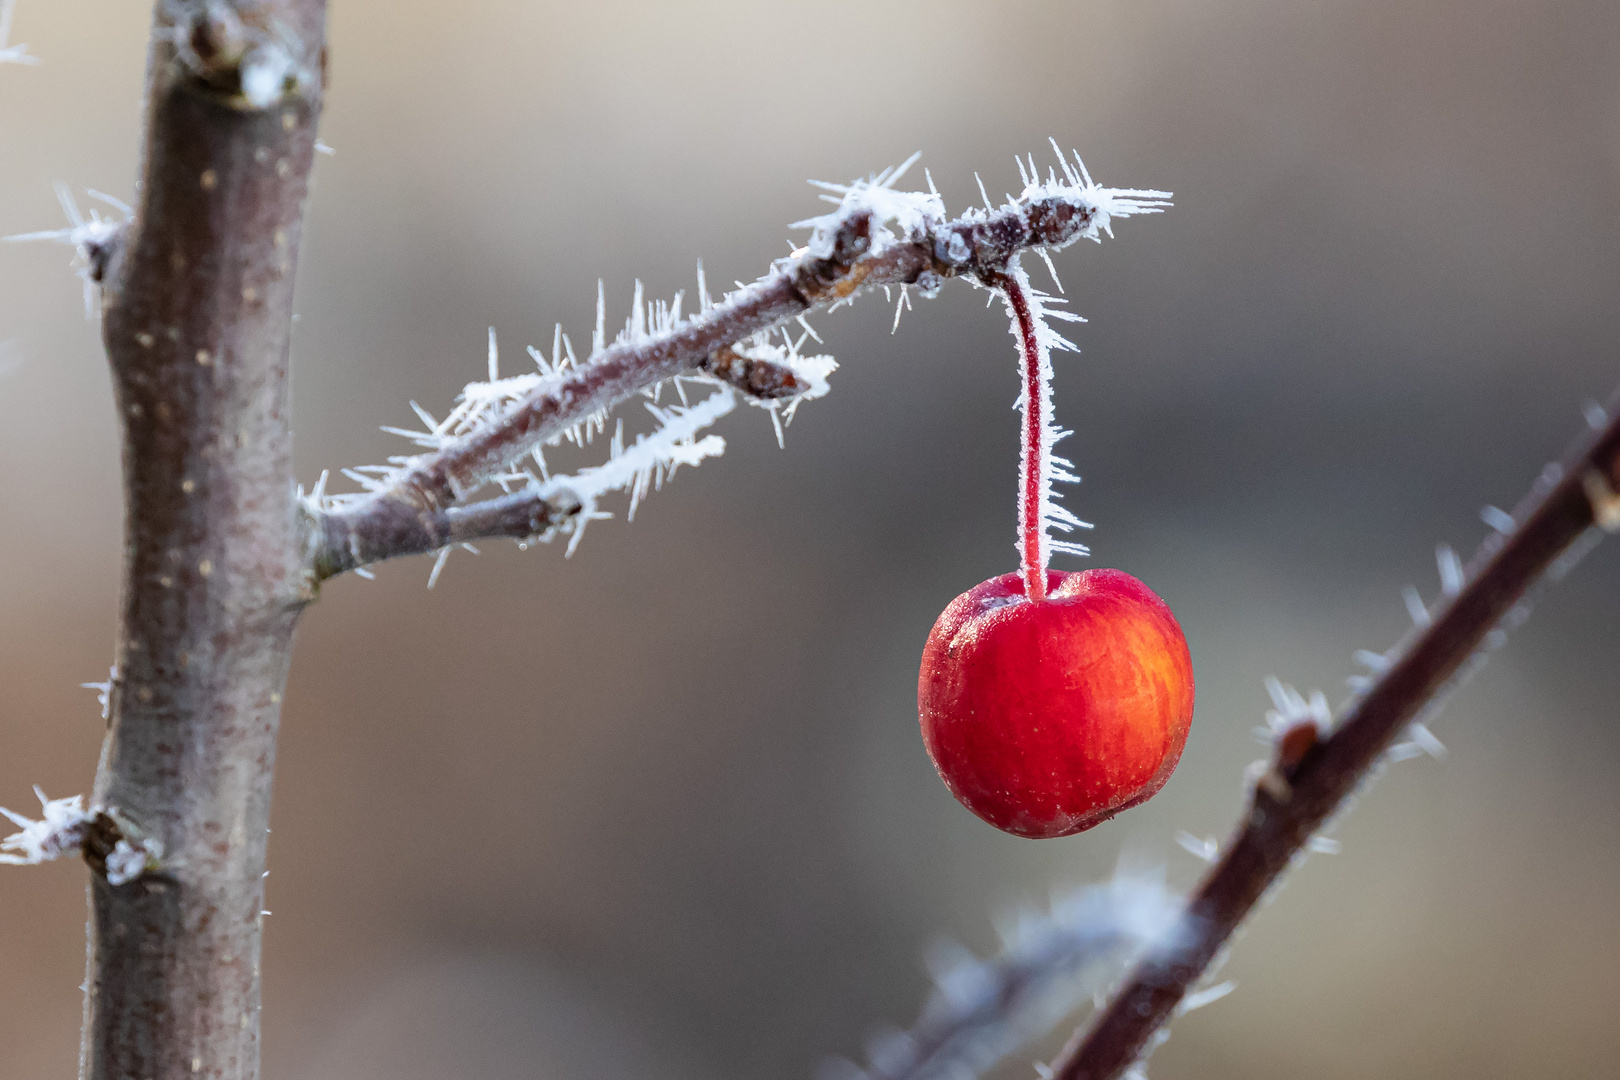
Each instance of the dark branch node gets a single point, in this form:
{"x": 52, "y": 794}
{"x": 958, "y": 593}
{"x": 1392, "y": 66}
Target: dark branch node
{"x": 759, "y": 379}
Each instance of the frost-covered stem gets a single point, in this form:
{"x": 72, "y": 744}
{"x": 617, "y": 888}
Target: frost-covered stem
{"x": 197, "y": 307}
{"x": 1311, "y": 779}
{"x": 1032, "y": 461}
{"x": 623, "y": 369}
{"x": 977, "y": 245}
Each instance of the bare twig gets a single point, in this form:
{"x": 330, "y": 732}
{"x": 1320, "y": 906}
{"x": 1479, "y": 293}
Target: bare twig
{"x": 851, "y": 249}
{"x": 1312, "y": 777}
{"x": 980, "y": 1011}
{"x": 393, "y": 529}
{"x": 197, "y": 304}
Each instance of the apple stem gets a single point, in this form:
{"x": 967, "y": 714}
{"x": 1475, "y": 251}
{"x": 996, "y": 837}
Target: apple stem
{"x": 1034, "y": 464}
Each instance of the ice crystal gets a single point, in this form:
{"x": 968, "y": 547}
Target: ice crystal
{"x": 1078, "y": 189}
{"x": 88, "y": 236}
{"x": 897, "y": 216}
{"x": 1204, "y": 848}
{"x": 1451, "y": 570}
{"x": 126, "y": 862}
{"x": 646, "y": 464}
{"x": 1207, "y": 996}
{"x": 1290, "y": 708}
{"x": 812, "y": 371}
{"x": 1053, "y": 469}
{"x": 104, "y": 690}
{"x": 59, "y": 831}
{"x": 62, "y": 829}
{"x": 870, "y": 217}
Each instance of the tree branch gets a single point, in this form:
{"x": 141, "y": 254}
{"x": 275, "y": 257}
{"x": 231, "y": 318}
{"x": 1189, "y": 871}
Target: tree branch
{"x": 1312, "y": 776}
{"x": 851, "y": 249}
{"x": 390, "y": 529}
{"x": 197, "y": 303}
{"x": 981, "y": 1011}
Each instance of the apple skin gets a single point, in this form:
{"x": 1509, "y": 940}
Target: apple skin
{"x": 1048, "y": 718}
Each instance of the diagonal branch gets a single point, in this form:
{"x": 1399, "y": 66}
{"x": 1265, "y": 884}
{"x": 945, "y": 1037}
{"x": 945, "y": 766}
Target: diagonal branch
{"x": 1312, "y": 777}
{"x": 876, "y": 237}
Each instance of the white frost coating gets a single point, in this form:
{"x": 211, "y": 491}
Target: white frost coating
{"x": 1204, "y": 848}
{"x": 1451, "y": 569}
{"x": 82, "y": 234}
{"x": 1077, "y": 188}
{"x": 1291, "y": 708}
{"x": 1377, "y": 663}
{"x": 59, "y": 831}
{"x": 11, "y": 54}
{"x": 812, "y": 370}
{"x": 104, "y": 690}
{"x": 897, "y": 216}
{"x": 645, "y": 465}
{"x": 125, "y": 863}
{"x": 1415, "y": 607}
{"x": 1207, "y": 996}
{"x": 982, "y": 1010}
{"x": 1419, "y": 741}
{"x": 266, "y": 73}
{"x": 1498, "y": 519}
{"x": 1053, "y": 469}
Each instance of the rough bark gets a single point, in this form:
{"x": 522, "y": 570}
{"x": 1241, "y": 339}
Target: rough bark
{"x": 197, "y": 314}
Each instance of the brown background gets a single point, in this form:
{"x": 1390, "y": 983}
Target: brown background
{"x": 660, "y": 811}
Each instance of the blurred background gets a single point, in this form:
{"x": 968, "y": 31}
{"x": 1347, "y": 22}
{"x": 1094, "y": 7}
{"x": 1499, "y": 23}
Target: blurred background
{"x": 660, "y": 811}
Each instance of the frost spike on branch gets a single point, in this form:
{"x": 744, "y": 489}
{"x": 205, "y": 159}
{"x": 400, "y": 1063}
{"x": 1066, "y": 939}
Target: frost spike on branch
{"x": 877, "y": 236}
{"x": 1312, "y": 778}
{"x": 95, "y": 240}
{"x": 65, "y": 827}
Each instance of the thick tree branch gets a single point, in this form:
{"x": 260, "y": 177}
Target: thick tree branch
{"x": 850, "y": 250}
{"x": 197, "y": 304}
{"x": 1312, "y": 777}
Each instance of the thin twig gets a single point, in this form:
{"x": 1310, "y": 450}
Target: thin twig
{"x": 850, "y": 250}
{"x": 394, "y": 529}
{"x": 1311, "y": 778}
{"x": 981, "y": 1011}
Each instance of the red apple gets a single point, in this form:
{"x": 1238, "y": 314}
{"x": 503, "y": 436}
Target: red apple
{"x": 1048, "y": 717}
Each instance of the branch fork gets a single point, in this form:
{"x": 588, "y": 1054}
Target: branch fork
{"x": 877, "y": 237}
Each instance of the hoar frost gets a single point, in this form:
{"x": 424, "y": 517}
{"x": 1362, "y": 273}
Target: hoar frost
{"x": 892, "y": 217}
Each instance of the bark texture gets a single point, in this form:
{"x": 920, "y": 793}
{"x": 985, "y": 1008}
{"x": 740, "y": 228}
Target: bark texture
{"x": 197, "y": 314}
